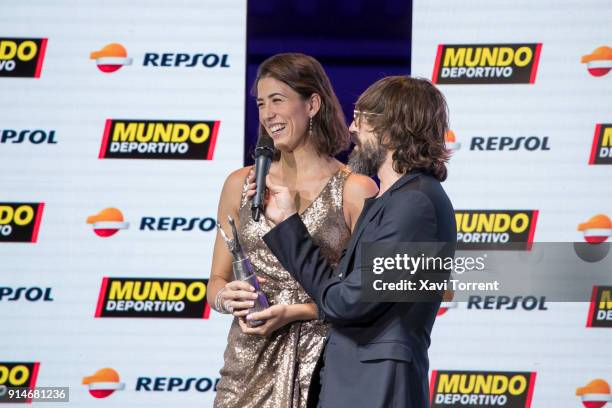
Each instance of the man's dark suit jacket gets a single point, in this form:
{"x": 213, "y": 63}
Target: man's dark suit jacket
{"x": 376, "y": 353}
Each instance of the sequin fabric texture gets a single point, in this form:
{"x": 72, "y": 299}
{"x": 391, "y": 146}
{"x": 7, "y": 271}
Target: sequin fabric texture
{"x": 276, "y": 371}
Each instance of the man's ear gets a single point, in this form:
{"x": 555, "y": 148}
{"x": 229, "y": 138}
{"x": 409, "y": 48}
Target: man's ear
{"x": 314, "y": 104}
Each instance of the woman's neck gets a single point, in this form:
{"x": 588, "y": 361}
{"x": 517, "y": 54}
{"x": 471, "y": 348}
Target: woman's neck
{"x": 303, "y": 163}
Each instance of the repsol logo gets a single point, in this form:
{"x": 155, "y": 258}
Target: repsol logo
{"x": 159, "y": 139}
{"x": 142, "y": 297}
{"x": 501, "y": 143}
{"x": 17, "y": 374}
{"x": 205, "y": 224}
{"x": 600, "y": 311}
{"x": 481, "y": 389}
{"x": 495, "y": 229}
{"x": 211, "y": 60}
{"x": 486, "y": 63}
{"x": 173, "y": 384}
{"x": 507, "y": 303}
{"x": 37, "y": 136}
{"x": 31, "y": 294}
{"x": 22, "y": 57}
{"x": 601, "y": 149}
{"x": 20, "y": 222}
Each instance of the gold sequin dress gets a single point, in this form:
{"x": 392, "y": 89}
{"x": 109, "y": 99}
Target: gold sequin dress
{"x": 276, "y": 371}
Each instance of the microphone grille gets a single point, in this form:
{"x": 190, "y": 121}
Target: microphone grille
{"x": 265, "y": 141}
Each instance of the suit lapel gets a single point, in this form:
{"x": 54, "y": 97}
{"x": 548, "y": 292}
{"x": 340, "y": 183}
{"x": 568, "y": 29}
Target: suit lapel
{"x": 366, "y": 218}
{"x": 361, "y": 225}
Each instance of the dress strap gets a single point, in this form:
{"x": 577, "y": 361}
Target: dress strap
{"x": 338, "y": 189}
{"x": 346, "y": 171}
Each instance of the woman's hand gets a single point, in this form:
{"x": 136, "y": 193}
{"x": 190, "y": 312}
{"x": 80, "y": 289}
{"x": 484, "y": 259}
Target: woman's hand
{"x": 238, "y": 297}
{"x": 278, "y": 316}
{"x": 274, "y": 318}
{"x": 280, "y": 202}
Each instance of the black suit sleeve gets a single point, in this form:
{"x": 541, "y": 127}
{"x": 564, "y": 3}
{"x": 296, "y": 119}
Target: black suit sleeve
{"x": 409, "y": 216}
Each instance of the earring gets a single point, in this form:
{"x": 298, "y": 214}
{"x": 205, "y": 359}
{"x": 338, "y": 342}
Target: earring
{"x": 310, "y": 127}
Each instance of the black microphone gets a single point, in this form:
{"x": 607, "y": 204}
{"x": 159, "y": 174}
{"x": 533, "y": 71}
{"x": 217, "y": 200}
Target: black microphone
{"x": 263, "y": 158}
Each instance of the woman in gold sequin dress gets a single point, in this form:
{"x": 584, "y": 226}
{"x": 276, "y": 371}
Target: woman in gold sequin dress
{"x": 273, "y": 365}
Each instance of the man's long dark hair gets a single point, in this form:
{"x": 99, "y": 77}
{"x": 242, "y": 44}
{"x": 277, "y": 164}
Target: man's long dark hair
{"x": 412, "y": 121}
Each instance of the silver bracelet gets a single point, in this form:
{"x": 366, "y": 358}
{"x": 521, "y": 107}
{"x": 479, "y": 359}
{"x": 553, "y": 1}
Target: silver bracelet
{"x": 220, "y": 306}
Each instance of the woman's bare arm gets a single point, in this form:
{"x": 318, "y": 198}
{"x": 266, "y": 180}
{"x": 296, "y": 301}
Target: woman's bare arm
{"x": 221, "y": 270}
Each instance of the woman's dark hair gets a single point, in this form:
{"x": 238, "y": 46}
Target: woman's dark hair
{"x": 306, "y": 76}
{"x": 411, "y": 120}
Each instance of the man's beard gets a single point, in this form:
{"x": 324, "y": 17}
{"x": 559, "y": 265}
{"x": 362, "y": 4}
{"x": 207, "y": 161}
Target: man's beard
{"x": 367, "y": 159}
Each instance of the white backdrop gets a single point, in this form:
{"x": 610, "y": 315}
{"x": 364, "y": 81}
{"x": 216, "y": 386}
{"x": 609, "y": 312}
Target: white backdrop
{"x": 563, "y": 104}
{"x": 74, "y": 99}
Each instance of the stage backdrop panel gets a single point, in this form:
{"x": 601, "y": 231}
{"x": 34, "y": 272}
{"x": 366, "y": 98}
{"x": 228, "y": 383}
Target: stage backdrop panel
{"x": 119, "y": 122}
{"x": 528, "y": 88}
